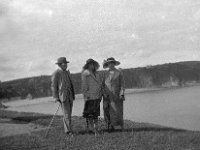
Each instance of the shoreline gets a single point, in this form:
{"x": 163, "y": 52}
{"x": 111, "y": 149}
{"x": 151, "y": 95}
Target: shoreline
{"x": 154, "y": 89}
{"x": 43, "y": 100}
{"x": 20, "y": 102}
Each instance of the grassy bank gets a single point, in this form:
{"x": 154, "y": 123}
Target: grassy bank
{"x": 140, "y": 136}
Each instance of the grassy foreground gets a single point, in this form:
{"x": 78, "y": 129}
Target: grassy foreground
{"x": 137, "y": 136}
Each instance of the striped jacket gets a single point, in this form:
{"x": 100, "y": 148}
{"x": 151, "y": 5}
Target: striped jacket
{"x": 62, "y": 86}
{"x": 91, "y": 85}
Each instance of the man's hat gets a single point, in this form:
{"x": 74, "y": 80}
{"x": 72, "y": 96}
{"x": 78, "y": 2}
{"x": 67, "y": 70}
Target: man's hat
{"x": 62, "y": 60}
{"x": 110, "y": 60}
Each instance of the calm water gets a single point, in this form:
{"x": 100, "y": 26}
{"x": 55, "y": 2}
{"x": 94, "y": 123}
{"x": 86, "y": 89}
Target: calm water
{"x": 175, "y": 108}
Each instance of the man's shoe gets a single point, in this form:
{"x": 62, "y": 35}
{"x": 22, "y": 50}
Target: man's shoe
{"x": 69, "y": 133}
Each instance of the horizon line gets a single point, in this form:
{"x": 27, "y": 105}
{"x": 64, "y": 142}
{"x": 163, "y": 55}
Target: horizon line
{"x": 11, "y": 80}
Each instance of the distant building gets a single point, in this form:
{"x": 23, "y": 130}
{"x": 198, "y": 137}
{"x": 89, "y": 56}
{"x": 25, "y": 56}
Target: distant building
{"x": 148, "y": 66}
{"x": 29, "y": 97}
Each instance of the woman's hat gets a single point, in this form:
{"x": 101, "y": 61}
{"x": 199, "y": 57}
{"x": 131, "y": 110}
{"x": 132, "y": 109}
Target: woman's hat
{"x": 91, "y": 61}
{"x": 62, "y": 60}
{"x": 110, "y": 60}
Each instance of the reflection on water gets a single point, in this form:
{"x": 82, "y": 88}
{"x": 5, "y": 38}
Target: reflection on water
{"x": 176, "y": 108}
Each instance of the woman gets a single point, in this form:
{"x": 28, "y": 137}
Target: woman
{"x": 92, "y": 93}
{"x": 113, "y": 94}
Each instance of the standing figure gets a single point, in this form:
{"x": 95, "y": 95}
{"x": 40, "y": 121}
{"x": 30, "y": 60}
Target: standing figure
{"x": 113, "y": 94}
{"x": 63, "y": 92}
{"x": 92, "y": 93}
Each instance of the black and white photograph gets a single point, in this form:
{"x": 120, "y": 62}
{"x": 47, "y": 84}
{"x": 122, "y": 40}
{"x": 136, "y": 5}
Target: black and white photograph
{"x": 99, "y": 75}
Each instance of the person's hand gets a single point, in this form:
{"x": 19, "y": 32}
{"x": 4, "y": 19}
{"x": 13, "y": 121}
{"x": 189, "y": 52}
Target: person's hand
{"x": 105, "y": 95}
{"x": 122, "y": 97}
{"x": 57, "y": 100}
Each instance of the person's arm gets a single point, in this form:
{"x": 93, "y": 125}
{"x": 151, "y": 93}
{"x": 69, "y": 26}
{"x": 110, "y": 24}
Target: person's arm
{"x": 104, "y": 85}
{"x": 72, "y": 85}
{"x": 85, "y": 86}
{"x": 54, "y": 86}
{"x": 73, "y": 91}
{"x": 122, "y": 86}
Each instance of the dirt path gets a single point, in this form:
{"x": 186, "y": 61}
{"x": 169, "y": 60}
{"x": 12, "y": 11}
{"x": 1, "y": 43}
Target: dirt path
{"x": 9, "y": 128}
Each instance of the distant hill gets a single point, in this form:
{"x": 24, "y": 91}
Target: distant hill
{"x": 165, "y": 75}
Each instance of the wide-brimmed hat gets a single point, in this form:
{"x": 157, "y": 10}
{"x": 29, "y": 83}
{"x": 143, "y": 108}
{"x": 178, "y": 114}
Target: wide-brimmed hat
{"x": 62, "y": 60}
{"x": 110, "y": 60}
{"x": 91, "y": 61}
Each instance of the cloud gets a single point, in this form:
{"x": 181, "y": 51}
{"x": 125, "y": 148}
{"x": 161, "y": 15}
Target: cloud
{"x": 9, "y": 68}
{"x": 34, "y": 34}
{"x": 197, "y": 15}
{"x": 31, "y": 8}
{"x": 3, "y": 7}
{"x": 41, "y": 66}
{"x": 135, "y": 36}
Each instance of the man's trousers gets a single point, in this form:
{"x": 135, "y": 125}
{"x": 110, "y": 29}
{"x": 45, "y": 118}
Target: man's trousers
{"x": 67, "y": 113}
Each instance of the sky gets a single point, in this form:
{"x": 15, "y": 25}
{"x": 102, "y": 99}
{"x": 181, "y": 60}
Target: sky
{"x": 34, "y": 33}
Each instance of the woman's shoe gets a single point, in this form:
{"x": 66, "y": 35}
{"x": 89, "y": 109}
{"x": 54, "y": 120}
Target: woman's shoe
{"x": 112, "y": 128}
{"x": 122, "y": 128}
{"x": 108, "y": 126}
{"x": 96, "y": 133}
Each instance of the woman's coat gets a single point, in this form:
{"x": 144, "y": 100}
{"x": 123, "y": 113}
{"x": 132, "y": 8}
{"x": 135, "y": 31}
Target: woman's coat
{"x": 91, "y": 85}
{"x": 113, "y": 104}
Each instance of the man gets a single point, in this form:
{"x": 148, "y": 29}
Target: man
{"x": 63, "y": 92}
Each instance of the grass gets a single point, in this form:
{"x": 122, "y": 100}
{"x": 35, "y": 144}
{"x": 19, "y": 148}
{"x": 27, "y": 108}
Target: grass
{"x": 139, "y": 136}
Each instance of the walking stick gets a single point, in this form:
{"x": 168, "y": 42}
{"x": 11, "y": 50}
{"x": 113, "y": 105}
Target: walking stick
{"x": 52, "y": 121}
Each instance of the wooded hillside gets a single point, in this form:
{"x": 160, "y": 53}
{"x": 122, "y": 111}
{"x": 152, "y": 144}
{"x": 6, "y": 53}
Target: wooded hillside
{"x": 166, "y": 75}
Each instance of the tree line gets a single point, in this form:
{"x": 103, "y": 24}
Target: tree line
{"x": 165, "y": 75}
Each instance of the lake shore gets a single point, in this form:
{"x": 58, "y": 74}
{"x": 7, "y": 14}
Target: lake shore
{"x": 140, "y": 136}
{"x": 24, "y": 102}
{"x": 154, "y": 89}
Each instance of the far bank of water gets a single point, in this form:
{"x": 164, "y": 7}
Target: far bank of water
{"x": 178, "y": 108}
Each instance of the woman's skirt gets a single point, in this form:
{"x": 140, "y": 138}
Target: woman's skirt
{"x": 91, "y": 109}
{"x": 113, "y": 111}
